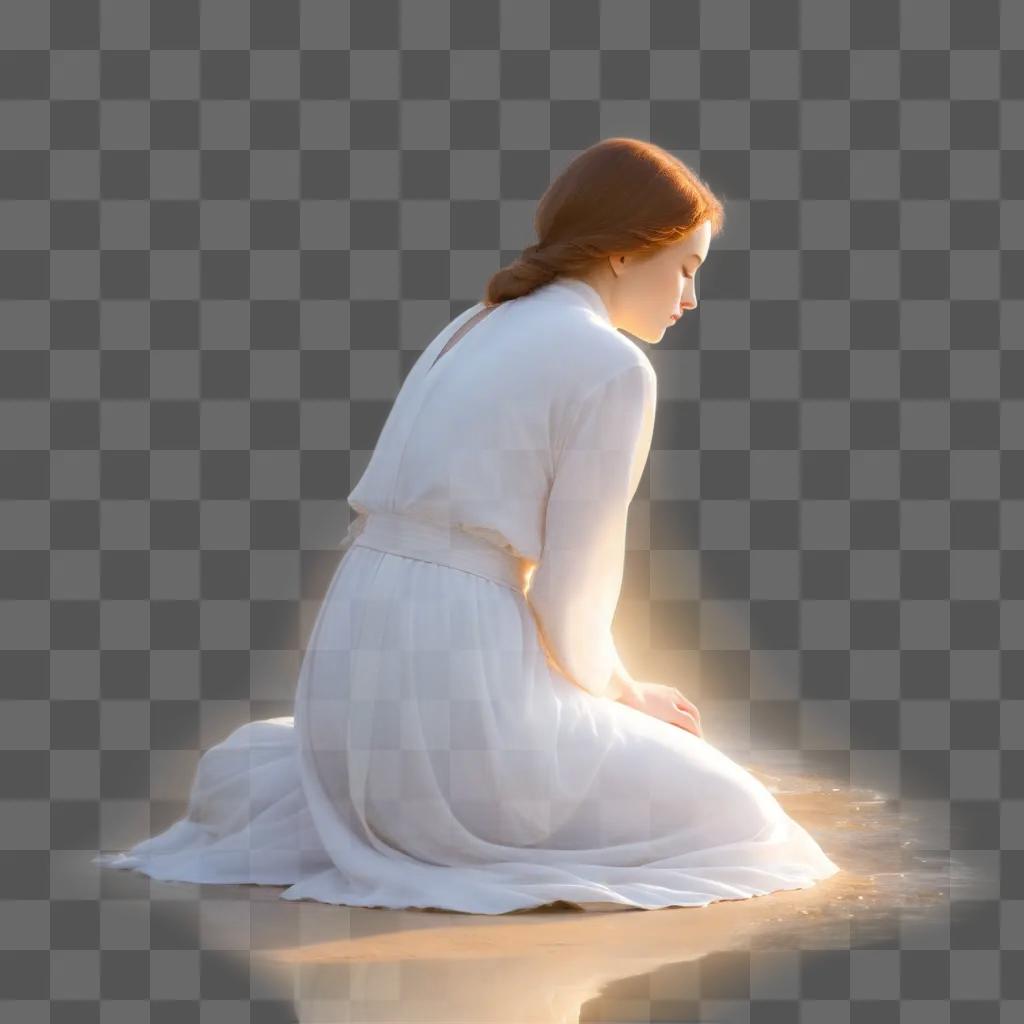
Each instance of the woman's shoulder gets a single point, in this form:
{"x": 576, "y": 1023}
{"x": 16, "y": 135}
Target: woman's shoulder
{"x": 613, "y": 364}
{"x": 587, "y": 342}
{"x": 608, "y": 354}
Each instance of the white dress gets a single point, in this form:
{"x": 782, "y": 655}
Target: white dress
{"x": 456, "y": 742}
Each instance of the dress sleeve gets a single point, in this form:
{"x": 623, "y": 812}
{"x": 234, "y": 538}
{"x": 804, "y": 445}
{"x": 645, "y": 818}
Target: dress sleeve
{"x": 575, "y": 586}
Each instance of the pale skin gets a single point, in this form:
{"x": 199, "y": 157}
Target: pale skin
{"x": 642, "y": 294}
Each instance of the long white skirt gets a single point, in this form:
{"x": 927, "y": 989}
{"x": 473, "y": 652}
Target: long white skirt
{"x": 435, "y": 760}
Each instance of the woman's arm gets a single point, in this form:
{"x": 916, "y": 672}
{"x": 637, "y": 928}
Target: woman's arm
{"x": 622, "y": 685}
{"x": 575, "y": 587}
{"x": 656, "y": 699}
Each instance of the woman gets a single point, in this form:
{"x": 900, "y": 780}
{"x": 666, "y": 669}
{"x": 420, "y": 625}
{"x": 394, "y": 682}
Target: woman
{"x": 465, "y": 735}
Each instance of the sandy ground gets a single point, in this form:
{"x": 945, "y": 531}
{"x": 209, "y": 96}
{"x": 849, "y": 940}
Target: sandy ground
{"x": 357, "y": 964}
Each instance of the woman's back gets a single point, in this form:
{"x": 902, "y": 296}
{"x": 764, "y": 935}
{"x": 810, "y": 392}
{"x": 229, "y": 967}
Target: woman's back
{"x": 474, "y": 434}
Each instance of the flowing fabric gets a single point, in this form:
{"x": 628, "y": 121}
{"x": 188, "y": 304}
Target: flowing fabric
{"x": 456, "y": 742}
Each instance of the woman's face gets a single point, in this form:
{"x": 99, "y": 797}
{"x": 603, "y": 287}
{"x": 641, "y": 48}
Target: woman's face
{"x": 644, "y": 293}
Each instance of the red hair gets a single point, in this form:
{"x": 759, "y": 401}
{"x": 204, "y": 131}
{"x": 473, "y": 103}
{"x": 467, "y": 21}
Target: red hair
{"x": 620, "y": 195}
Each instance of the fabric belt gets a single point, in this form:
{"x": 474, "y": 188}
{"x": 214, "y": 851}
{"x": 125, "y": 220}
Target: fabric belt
{"x": 448, "y": 545}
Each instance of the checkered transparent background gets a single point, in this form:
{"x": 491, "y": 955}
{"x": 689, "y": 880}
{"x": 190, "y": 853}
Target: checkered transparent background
{"x": 227, "y": 230}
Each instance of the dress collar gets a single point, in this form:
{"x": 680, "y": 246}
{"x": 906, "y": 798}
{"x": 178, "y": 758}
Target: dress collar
{"x": 585, "y": 292}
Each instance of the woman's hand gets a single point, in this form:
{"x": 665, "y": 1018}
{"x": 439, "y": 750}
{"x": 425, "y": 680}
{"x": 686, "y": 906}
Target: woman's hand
{"x": 664, "y": 702}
